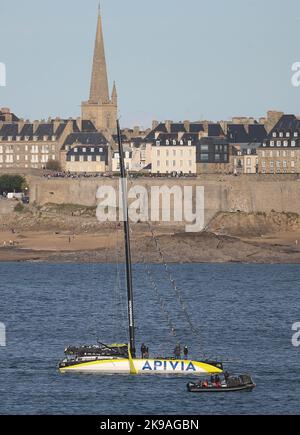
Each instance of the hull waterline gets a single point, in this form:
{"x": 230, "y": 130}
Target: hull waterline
{"x": 143, "y": 367}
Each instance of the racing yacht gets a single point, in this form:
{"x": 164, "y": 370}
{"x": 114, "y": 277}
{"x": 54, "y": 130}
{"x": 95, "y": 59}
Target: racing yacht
{"x": 118, "y": 359}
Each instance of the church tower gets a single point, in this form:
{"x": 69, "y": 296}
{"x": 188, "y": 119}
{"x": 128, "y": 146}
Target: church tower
{"x": 101, "y": 109}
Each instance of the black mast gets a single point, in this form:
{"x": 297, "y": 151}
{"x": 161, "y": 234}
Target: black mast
{"x": 127, "y": 244}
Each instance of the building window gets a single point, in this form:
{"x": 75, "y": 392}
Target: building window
{"x": 293, "y": 143}
{"x": 272, "y": 143}
{"x": 292, "y": 153}
{"x": 278, "y": 143}
{"x": 204, "y": 157}
{"x": 274, "y": 134}
{"x": 288, "y": 134}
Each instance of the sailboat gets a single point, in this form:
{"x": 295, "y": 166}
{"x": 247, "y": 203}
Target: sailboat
{"x": 118, "y": 359}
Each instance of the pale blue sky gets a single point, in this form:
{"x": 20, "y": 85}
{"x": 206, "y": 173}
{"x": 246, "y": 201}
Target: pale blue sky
{"x": 171, "y": 59}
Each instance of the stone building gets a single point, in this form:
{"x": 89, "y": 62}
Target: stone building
{"x": 31, "y": 145}
{"x": 101, "y": 108}
{"x": 86, "y": 152}
{"x": 173, "y": 154}
{"x": 213, "y": 156}
{"x": 280, "y": 152}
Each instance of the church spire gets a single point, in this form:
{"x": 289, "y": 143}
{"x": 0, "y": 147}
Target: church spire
{"x": 114, "y": 95}
{"x": 99, "y": 84}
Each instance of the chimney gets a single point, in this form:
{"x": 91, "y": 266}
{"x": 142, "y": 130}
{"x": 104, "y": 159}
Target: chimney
{"x": 21, "y": 124}
{"x": 187, "y": 125}
{"x": 35, "y": 125}
{"x": 168, "y": 125}
{"x": 154, "y": 124}
{"x": 56, "y": 123}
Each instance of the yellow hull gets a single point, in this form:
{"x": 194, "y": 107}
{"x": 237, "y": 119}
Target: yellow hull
{"x": 143, "y": 367}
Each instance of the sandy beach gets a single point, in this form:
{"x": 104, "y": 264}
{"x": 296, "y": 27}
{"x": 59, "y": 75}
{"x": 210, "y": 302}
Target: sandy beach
{"x": 72, "y": 234}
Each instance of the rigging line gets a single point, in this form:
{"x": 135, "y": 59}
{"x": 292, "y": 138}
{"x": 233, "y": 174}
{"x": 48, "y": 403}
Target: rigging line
{"x": 168, "y": 320}
{"x": 119, "y": 302}
{"x": 174, "y": 286}
{"x": 161, "y": 301}
{"x": 177, "y": 291}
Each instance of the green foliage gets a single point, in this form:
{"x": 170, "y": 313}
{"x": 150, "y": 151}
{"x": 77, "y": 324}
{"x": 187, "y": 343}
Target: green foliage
{"x": 12, "y": 183}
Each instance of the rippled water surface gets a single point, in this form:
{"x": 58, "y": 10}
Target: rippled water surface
{"x": 244, "y": 313}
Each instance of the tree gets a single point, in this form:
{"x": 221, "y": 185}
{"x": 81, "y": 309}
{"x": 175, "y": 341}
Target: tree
{"x": 12, "y": 183}
{"x": 53, "y": 165}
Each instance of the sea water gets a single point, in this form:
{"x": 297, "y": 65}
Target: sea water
{"x": 243, "y": 314}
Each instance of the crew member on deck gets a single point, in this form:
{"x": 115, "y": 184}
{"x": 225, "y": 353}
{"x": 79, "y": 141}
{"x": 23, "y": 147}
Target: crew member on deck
{"x": 185, "y": 352}
{"x": 144, "y": 351}
{"x": 177, "y": 351}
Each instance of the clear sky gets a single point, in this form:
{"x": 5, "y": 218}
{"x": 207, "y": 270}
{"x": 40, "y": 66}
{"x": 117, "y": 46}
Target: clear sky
{"x": 171, "y": 59}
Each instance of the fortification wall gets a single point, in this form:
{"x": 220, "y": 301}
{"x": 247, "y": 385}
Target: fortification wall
{"x": 226, "y": 193}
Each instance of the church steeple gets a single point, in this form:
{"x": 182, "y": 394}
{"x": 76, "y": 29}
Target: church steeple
{"x": 114, "y": 95}
{"x": 99, "y": 92}
{"x": 100, "y": 108}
